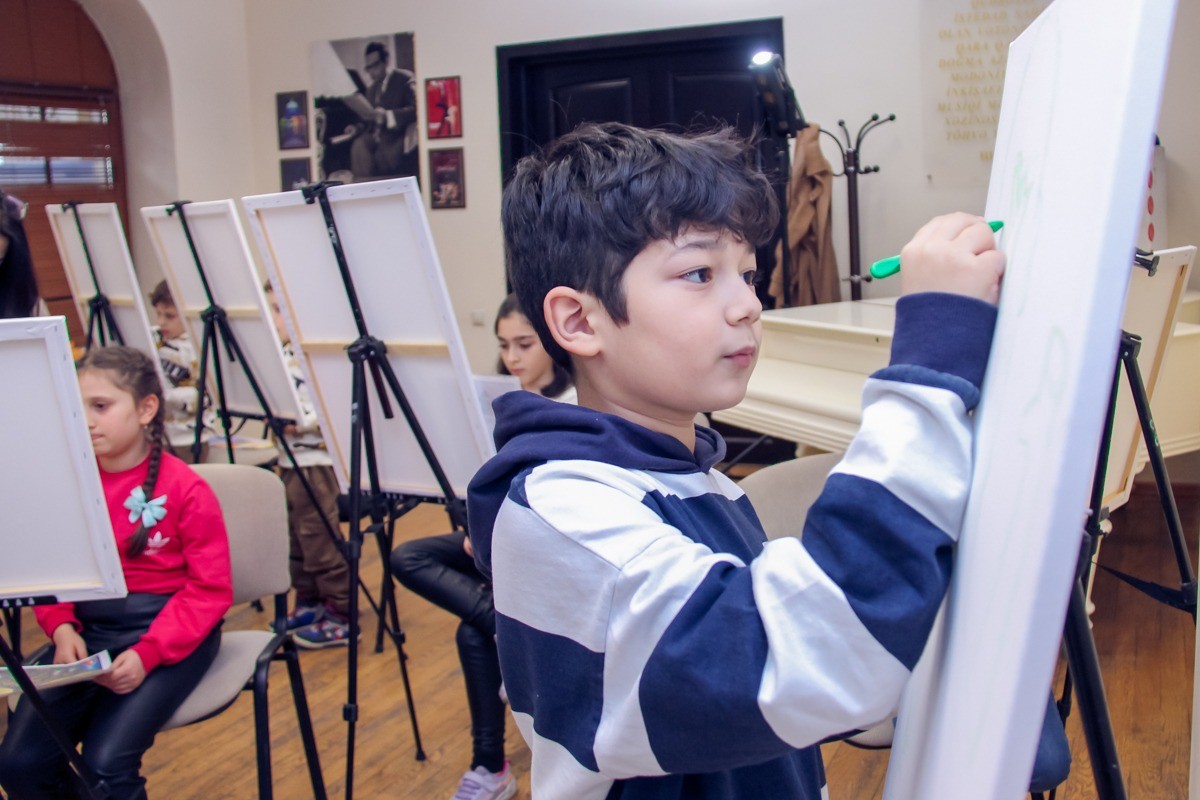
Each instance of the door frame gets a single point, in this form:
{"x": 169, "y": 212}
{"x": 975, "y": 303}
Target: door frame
{"x": 513, "y": 64}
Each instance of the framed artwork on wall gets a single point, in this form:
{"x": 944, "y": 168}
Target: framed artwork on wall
{"x": 291, "y": 118}
{"x": 294, "y": 173}
{"x": 447, "y": 179}
{"x": 443, "y": 107}
{"x": 365, "y": 108}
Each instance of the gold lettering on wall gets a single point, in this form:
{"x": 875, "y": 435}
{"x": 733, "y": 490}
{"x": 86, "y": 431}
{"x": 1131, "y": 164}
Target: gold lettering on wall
{"x": 965, "y": 53}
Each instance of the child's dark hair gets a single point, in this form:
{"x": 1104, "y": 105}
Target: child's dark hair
{"x": 576, "y": 214}
{"x": 562, "y": 374}
{"x": 132, "y": 371}
{"x": 161, "y": 296}
{"x": 18, "y": 280}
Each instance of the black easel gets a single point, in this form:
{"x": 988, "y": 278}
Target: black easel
{"x": 92, "y": 786}
{"x": 369, "y": 352}
{"x": 216, "y": 326}
{"x": 852, "y": 167}
{"x": 100, "y": 319}
{"x": 1083, "y": 666}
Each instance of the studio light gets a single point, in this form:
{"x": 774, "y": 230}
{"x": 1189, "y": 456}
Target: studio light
{"x": 780, "y": 110}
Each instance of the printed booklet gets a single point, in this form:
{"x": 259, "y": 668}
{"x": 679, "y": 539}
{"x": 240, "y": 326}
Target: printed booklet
{"x": 44, "y": 676}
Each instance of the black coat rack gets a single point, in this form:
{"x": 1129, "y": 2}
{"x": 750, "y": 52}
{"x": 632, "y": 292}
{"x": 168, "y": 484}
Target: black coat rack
{"x": 852, "y": 167}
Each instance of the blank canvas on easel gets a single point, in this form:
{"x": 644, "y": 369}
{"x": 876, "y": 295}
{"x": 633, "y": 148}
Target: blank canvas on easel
{"x": 1077, "y": 121}
{"x": 229, "y": 269}
{"x": 402, "y": 294}
{"x": 115, "y": 277}
{"x": 1151, "y": 309}
{"x": 57, "y": 539}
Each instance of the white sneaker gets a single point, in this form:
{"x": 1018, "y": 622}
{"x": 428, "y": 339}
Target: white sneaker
{"x": 479, "y": 784}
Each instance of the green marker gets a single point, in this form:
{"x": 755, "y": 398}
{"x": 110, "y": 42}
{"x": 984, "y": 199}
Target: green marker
{"x": 887, "y": 267}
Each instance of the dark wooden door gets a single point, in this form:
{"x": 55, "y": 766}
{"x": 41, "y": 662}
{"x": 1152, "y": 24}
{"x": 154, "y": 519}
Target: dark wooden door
{"x": 682, "y": 78}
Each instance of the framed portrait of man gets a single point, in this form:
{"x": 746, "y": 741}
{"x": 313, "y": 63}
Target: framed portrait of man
{"x": 365, "y": 108}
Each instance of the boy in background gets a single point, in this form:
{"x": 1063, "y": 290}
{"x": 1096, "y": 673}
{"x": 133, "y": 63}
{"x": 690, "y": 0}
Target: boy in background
{"x": 320, "y": 617}
{"x": 177, "y": 355}
{"x": 652, "y": 643}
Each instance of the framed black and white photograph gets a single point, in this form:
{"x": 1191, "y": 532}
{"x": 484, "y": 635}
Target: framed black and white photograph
{"x": 447, "y": 178}
{"x": 291, "y": 120}
{"x": 294, "y": 173}
{"x": 365, "y": 108}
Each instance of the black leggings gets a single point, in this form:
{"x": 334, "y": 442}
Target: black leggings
{"x": 438, "y": 569}
{"x": 115, "y": 730}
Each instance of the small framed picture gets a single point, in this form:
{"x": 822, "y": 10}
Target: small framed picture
{"x": 447, "y": 179}
{"x": 443, "y": 107}
{"x": 291, "y": 118}
{"x": 294, "y": 173}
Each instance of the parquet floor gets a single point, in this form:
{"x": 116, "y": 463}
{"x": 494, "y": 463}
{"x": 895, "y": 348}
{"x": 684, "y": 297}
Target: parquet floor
{"x": 1146, "y": 653}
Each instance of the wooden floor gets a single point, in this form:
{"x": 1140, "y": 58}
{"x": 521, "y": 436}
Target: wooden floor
{"x": 1146, "y": 652}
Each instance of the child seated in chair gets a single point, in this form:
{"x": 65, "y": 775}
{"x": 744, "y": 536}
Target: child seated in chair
{"x": 321, "y": 614}
{"x": 652, "y": 643}
{"x": 177, "y": 356}
{"x": 165, "y": 633}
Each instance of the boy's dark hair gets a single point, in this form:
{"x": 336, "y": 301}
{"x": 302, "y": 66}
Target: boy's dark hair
{"x": 161, "y": 296}
{"x": 577, "y": 213}
{"x": 132, "y": 371}
{"x": 563, "y": 376}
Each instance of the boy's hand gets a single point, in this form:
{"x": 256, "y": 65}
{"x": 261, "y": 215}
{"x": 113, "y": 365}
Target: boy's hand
{"x": 955, "y": 253}
{"x": 127, "y": 673}
{"x": 68, "y": 645}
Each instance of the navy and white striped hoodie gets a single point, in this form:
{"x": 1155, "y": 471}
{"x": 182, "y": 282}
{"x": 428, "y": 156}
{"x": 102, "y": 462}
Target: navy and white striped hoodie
{"x": 655, "y": 645}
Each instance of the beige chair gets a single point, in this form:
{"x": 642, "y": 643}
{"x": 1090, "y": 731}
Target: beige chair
{"x": 255, "y": 510}
{"x": 782, "y": 494}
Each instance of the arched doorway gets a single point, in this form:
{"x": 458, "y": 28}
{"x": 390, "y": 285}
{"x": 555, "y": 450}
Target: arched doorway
{"x": 60, "y": 126}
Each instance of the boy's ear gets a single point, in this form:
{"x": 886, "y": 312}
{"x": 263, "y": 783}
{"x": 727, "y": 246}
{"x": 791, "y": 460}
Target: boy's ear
{"x": 568, "y": 316}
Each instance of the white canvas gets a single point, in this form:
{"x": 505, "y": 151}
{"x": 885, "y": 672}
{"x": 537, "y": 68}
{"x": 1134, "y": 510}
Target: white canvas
{"x": 114, "y": 274}
{"x": 1080, "y": 103}
{"x": 232, "y": 278}
{"x": 57, "y": 538}
{"x": 402, "y": 295}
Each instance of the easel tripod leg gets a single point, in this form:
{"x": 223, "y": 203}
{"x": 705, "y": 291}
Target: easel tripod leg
{"x": 1088, "y": 686}
{"x": 93, "y": 788}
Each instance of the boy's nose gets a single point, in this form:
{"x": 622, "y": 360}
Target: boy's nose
{"x": 745, "y": 307}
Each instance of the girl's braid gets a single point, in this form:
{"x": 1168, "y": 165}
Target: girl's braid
{"x": 156, "y": 434}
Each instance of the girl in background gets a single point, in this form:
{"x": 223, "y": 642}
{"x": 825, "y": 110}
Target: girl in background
{"x": 442, "y": 570}
{"x": 165, "y": 633}
{"x": 522, "y": 355}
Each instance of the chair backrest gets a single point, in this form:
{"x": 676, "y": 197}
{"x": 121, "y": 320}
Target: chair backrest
{"x": 255, "y": 509}
{"x": 782, "y": 493}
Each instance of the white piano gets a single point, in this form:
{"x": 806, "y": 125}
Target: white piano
{"x": 808, "y": 383}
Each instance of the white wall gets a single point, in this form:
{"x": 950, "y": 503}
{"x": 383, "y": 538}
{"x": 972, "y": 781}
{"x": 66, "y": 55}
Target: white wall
{"x": 185, "y": 100}
{"x": 227, "y": 58}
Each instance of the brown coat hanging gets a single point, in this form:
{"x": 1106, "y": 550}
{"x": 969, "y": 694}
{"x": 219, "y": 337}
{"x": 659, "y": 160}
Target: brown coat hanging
{"x": 813, "y": 265}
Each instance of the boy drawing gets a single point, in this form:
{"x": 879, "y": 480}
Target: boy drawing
{"x": 652, "y": 643}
